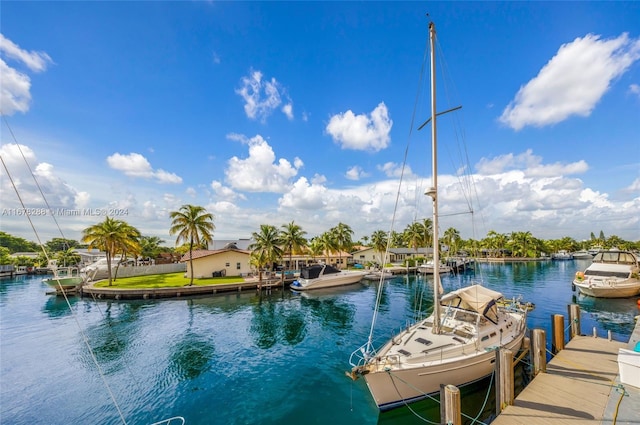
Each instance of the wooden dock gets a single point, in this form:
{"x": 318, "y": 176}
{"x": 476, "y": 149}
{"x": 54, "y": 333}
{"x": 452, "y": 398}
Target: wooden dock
{"x": 579, "y": 387}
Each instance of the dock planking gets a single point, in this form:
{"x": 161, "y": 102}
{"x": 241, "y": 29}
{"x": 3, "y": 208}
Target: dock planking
{"x": 575, "y": 389}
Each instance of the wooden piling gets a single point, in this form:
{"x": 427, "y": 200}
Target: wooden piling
{"x": 504, "y": 379}
{"x": 539, "y": 351}
{"x": 450, "y": 406}
{"x": 557, "y": 331}
{"x": 574, "y": 320}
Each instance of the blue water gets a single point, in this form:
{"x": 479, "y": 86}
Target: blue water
{"x": 239, "y": 358}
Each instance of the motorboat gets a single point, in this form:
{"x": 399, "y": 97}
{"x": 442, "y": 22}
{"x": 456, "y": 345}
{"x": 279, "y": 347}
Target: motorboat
{"x": 319, "y": 276}
{"x": 562, "y": 255}
{"x": 611, "y": 274}
{"x": 582, "y": 254}
{"x": 428, "y": 268}
{"x": 456, "y": 344}
{"x": 65, "y": 278}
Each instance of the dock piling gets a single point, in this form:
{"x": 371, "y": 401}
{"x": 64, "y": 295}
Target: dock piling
{"x": 574, "y": 319}
{"x": 538, "y": 351}
{"x": 450, "y": 407}
{"x": 557, "y": 331}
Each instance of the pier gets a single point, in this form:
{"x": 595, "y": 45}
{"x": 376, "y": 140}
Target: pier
{"x": 581, "y": 385}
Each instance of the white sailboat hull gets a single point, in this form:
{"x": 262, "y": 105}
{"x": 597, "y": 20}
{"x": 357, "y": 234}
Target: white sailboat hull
{"x": 395, "y": 387}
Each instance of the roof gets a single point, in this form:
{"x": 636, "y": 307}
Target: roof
{"x": 201, "y": 253}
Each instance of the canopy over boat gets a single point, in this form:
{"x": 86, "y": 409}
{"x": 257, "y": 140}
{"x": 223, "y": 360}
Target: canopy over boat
{"x": 476, "y": 298}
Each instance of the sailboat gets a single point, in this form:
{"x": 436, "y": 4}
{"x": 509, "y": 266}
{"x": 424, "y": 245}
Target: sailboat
{"x": 456, "y": 344}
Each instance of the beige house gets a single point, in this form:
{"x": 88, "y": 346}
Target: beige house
{"x": 396, "y": 255}
{"x": 228, "y": 261}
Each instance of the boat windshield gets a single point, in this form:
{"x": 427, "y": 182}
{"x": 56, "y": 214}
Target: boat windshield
{"x": 606, "y": 273}
{"x": 615, "y": 257}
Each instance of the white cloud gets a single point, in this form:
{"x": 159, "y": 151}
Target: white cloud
{"x": 572, "y": 82}
{"x": 225, "y": 193}
{"x": 531, "y": 163}
{"x": 634, "y": 89}
{"x": 260, "y": 172}
{"x": 356, "y": 173}
{"x": 304, "y": 195}
{"x": 362, "y": 132}
{"x": 57, "y": 192}
{"x": 392, "y": 169}
{"x": 15, "y": 94}
{"x": 35, "y": 61}
{"x": 263, "y": 97}
{"x": 136, "y": 165}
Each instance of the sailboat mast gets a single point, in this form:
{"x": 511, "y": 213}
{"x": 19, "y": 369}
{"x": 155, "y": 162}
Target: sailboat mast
{"x": 433, "y": 192}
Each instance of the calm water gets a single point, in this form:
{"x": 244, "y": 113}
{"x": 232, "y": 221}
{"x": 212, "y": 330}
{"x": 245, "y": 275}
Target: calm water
{"x": 238, "y": 358}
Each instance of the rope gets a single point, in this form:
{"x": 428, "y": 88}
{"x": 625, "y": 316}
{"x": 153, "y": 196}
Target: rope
{"x": 62, "y": 291}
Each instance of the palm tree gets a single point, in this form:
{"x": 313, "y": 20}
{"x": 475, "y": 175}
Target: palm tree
{"x": 414, "y": 235}
{"x": 266, "y": 247}
{"x": 68, "y": 257}
{"x": 113, "y": 237}
{"x": 452, "y": 238}
{"x": 150, "y": 246}
{"x": 193, "y": 224}
{"x": 292, "y": 239}
{"x": 130, "y": 244}
{"x": 379, "y": 242}
{"x": 342, "y": 234}
{"x": 328, "y": 245}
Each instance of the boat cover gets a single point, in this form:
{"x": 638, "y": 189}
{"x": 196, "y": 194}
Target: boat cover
{"x": 476, "y": 298}
{"x": 313, "y": 272}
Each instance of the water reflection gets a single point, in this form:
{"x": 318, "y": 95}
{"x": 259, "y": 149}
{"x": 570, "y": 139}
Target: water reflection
{"x": 57, "y": 306}
{"x": 190, "y": 357}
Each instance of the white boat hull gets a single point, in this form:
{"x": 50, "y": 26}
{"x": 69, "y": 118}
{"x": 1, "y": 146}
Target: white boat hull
{"x": 338, "y": 279}
{"x": 394, "y": 388}
{"x": 609, "y": 288}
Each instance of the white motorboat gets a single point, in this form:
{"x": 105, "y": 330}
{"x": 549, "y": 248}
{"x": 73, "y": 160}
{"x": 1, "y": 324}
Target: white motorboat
{"x": 612, "y": 274}
{"x": 582, "y": 254}
{"x": 65, "y": 278}
{"x": 562, "y": 255}
{"x": 325, "y": 276}
{"x": 456, "y": 344}
{"x": 428, "y": 268}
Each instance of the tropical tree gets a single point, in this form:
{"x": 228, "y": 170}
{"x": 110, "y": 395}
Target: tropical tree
{"x": 150, "y": 246}
{"x": 452, "y": 238}
{"x": 292, "y": 239}
{"x": 113, "y": 237}
{"x": 328, "y": 245}
{"x": 192, "y": 224}
{"x": 342, "y": 234}
{"x": 265, "y": 248}
{"x": 414, "y": 236}
{"x": 379, "y": 243}
{"x": 68, "y": 257}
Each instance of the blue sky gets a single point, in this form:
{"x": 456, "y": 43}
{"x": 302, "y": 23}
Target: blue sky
{"x": 272, "y": 112}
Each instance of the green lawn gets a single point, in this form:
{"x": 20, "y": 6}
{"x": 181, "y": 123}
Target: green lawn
{"x": 170, "y": 280}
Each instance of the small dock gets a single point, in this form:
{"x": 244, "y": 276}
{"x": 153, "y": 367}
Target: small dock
{"x": 581, "y": 386}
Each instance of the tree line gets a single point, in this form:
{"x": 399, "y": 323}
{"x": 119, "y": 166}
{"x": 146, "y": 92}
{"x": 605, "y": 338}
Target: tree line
{"x": 194, "y": 228}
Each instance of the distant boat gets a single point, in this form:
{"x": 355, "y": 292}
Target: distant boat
{"x": 562, "y": 255}
{"x": 583, "y": 254}
{"x": 325, "y": 276}
{"x": 428, "y": 268}
{"x": 65, "y": 278}
{"x": 612, "y": 274}
{"x": 455, "y": 345}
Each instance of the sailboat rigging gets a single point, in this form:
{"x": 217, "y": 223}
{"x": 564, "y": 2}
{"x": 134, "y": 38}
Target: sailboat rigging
{"x": 455, "y": 344}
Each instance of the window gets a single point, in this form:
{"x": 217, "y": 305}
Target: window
{"x": 238, "y": 266}
{"x": 226, "y": 264}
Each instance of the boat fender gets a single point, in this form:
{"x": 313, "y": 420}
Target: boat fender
{"x": 296, "y": 283}
{"x": 579, "y": 276}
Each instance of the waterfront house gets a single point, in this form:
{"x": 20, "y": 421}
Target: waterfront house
{"x": 396, "y": 255}
{"x": 228, "y": 261}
